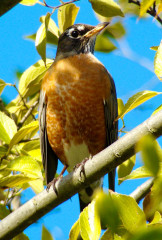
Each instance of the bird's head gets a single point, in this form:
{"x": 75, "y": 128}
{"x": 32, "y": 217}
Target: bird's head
{"x": 79, "y": 38}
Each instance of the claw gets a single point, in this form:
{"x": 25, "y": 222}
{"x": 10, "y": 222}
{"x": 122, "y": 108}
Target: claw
{"x": 53, "y": 182}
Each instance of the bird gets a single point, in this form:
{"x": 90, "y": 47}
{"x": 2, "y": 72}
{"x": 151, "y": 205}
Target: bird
{"x": 77, "y": 106}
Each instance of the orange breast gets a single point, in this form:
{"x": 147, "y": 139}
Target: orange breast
{"x": 75, "y": 88}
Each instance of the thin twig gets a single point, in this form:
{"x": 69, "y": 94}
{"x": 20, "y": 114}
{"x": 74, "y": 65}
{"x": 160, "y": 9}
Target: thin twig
{"x": 14, "y": 85}
{"x": 54, "y": 8}
{"x": 28, "y": 113}
{"x": 141, "y": 191}
{"x": 151, "y": 11}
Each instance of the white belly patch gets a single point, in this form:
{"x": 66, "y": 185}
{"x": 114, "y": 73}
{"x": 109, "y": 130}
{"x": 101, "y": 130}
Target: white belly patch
{"x": 75, "y": 154}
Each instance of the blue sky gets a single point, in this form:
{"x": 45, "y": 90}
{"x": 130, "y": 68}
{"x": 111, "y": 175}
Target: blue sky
{"x": 16, "y": 53}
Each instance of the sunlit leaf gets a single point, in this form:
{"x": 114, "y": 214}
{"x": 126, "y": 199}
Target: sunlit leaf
{"x": 51, "y": 38}
{"x": 157, "y": 109}
{"x": 131, "y": 215}
{"x": 74, "y": 232}
{"x": 21, "y": 236}
{"x": 66, "y": 16}
{"x": 29, "y": 2}
{"x": 30, "y": 80}
{"x": 155, "y": 48}
{"x": 159, "y": 10}
{"x": 109, "y": 235}
{"x": 120, "y": 106}
{"x": 41, "y": 36}
{"x": 157, "y": 218}
{"x": 106, "y": 8}
{"x": 103, "y": 44}
{"x": 126, "y": 167}
{"x": 149, "y": 234}
{"x": 3, "y": 151}
{"x": 136, "y": 100}
{"x": 117, "y": 30}
{"x": 51, "y": 26}
{"x": 145, "y": 5}
{"x": 7, "y": 128}
{"x": 46, "y": 234}
{"x": 15, "y": 180}
{"x": 37, "y": 185}
{"x": 152, "y": 201}
{"x": 151, "y": 154}
{"x": 90, "y": 227}
{"x": 141, "y": 172}
{"x": 26, "y": 165}
{"x": 108, "y": 211}
{"x": 2, "y": 85}
{"x": 4, "y": 211}
{"x": 158, "y": 62}
{"x": 33, "y": 126}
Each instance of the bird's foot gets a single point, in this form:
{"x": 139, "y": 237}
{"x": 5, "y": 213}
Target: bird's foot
{"x": 53, "y": 182}
{"x": 82, "y": 171}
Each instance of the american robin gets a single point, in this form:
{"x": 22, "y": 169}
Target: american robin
{"x": 78, "y": 106}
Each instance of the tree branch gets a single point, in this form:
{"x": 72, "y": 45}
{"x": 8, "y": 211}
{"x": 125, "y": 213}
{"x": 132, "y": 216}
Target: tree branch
{"x": 6, "y": 5}
{"x": 151, "y": 11}
{"x": 140, "y": 192}
{"x": 28, "y": 113}
{"x": 95, "y": 168}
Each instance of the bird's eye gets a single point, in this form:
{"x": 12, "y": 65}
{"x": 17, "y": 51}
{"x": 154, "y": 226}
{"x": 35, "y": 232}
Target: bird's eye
{"x": 75, "y": 34}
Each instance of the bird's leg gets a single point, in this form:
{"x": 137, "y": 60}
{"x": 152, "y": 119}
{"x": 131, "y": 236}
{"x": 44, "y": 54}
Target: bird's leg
{"x": 82, "y": 171}
{"x": 53, "y": 182}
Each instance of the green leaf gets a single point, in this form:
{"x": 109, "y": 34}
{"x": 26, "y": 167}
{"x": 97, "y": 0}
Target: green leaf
{"x": 41, "y": 36}
{"x": 2, "y": 85}
{"x": 157, "y": 109}
{"x": 125, "y": 168}
{"x": 33, "y": 126}
{"x": 29, "y": 2}
{"x": 157, "y": 218}
{"x": 151, "y": 154}
{"x": 141, "y": 172}
{"x": 131, "y": 215}
{"x": 108, "y": 211}
{"x": 90, "y": 223}
{"x": 7, "y": 128}
{"x": 51, "y": 26}
{"x": 37, "y": 185}
{"x": 136, "y": 100}
{"x": 21, "y": 236}
{"x": 155, "y": 48}
{"x": 158, "y": 62}
{"x": 66, "y": 16}
{"x": 120, "y": 106}
{"x": 148, "y": 234}
{"x": 108, "y": 235}
{"x": 106, "y": 8}
{"x": 74, "y": 232}
{"x": 103, "y": 44}
{"x": 145, "y": 5}
{"x": 15, "y": 180}
{"x": 46, "y": 234}
{"x": 3, "y": 211}
{"x": 3, "y": 151}
{"x": 116, "y": 30}
{"x": 26, "y": 165}
{"x": 51, "y": 39}
{"x": 30, "y": 80}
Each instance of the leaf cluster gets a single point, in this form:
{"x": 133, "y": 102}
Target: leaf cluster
{"x": 21, "y": 165}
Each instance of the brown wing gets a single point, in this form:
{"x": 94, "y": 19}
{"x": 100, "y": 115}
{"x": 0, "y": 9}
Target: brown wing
{"x": 111, "y": 112}
{"x": 49, "y": 158}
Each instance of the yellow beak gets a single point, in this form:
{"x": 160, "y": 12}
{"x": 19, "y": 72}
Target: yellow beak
{"x": 96, "y": 30}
